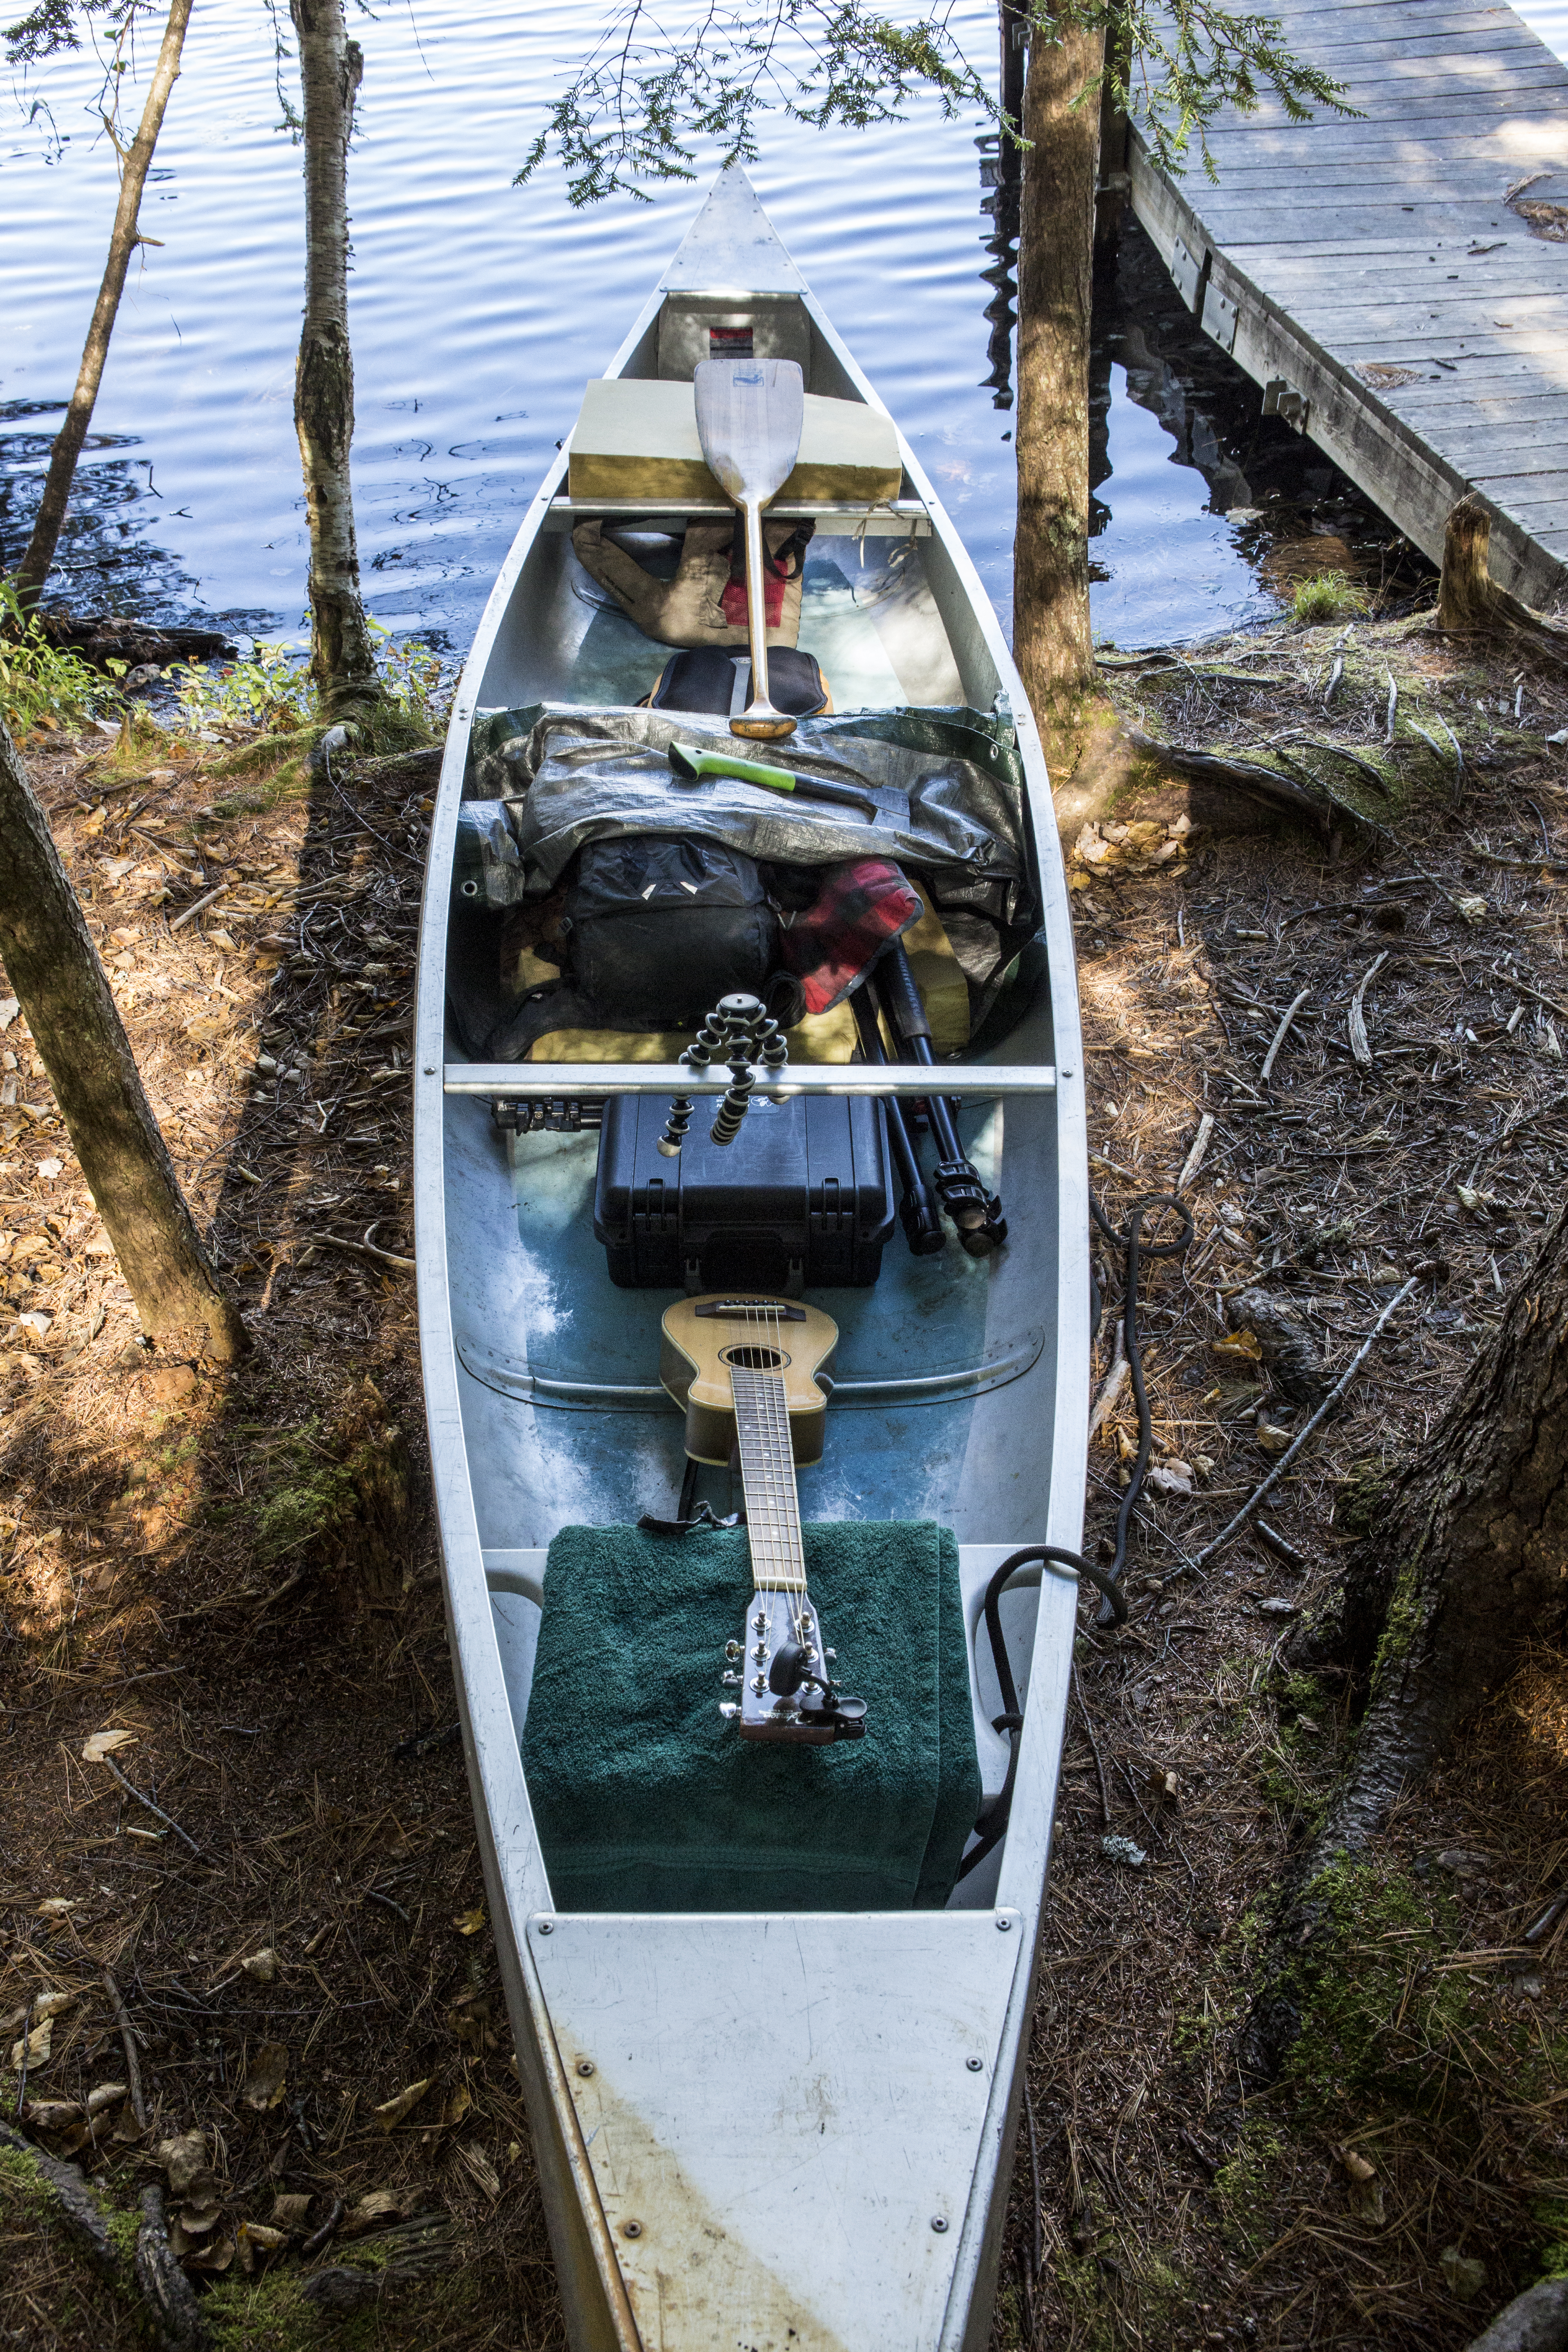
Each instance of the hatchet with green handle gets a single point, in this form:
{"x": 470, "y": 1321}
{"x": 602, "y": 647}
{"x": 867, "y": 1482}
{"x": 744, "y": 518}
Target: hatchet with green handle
{"x": 694, "y": 767}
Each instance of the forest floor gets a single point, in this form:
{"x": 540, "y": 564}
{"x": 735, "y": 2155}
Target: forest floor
{"x": 239, "y": 1574}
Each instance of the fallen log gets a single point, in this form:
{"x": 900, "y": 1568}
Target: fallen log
{"x": 102, "y": 638}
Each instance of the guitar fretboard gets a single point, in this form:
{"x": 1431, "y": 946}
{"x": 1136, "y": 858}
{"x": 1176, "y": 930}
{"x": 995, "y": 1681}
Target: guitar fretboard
{"x": 767, "y": 1475}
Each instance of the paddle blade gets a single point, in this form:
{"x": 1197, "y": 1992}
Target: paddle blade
{"x": 750, "y": 416}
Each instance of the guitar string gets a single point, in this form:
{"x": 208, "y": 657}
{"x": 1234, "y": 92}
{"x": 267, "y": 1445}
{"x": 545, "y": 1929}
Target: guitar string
{"x": 760, "y": 1397}
{"x": 766, "y": 1420}
{"x": 788, "y": 1493}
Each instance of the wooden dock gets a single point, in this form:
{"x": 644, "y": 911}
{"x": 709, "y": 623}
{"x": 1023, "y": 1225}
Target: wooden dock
{"x": 1374, "y": 279}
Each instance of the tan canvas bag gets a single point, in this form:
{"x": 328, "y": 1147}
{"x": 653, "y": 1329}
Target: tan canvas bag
{"x": 688, "y": 610}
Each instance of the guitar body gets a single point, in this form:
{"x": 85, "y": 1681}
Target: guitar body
{"x": 705, "y": 1338}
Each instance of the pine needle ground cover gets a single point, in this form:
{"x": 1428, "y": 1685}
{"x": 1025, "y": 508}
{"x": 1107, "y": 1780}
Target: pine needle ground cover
{"x": 240, "y": 1575}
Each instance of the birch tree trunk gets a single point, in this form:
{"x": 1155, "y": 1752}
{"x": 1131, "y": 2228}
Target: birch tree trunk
{"x": 343, "y": 659}
{"x": 1051, "y": 641}
{"x": 52, "y": 964}
{"x": 134, "y": 161}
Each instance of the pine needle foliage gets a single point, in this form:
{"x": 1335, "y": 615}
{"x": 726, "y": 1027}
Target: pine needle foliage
{"x": 633, "y": 111}
{"x": 51, "y": 28}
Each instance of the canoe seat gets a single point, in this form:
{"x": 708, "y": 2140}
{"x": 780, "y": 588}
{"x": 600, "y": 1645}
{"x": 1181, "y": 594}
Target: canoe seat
{"x": 636, "y": 437}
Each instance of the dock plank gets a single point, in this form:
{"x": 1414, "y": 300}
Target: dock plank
{"x": 1349, "y": 249}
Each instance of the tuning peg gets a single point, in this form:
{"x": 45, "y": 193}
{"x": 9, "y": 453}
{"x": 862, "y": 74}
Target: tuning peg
{"x": 728, "y": 1709}
{"x": 734, "y": 1680}
{"x": 732, "y": 1651}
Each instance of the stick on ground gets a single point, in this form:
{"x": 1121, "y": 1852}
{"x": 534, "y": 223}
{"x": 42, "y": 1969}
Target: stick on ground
{"x": 128, "y": 2037}
{"x": 1232, "y": 1527}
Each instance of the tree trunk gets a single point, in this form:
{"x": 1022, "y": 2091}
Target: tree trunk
{"x": 134, "y": 163}
{"x": 1463, "y": 1560}
{"x": 1051, "y": 641}
{"x": 343, "y": 659}
{"x": 52, "y": 964}
{"x": 1470, "y": 603}
{"x": 1465, "y": 597}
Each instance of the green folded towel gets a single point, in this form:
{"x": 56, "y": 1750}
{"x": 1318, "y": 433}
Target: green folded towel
{"x": 647, "y": 1800}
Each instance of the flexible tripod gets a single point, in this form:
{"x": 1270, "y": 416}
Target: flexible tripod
{"x": 740, "y": 1030}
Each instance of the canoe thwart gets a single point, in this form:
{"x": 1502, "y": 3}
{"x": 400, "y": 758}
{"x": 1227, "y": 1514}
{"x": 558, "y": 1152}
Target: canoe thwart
{"x": 892, "y": 519}
{"x": 542, "y": 1081}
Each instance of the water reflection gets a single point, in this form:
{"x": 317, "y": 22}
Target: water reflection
{"x": 109, "y": 560}
{"x": 1204, "y": 513}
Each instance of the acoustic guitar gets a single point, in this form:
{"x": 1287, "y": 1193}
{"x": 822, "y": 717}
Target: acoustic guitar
{"x": 744, "y": 1371}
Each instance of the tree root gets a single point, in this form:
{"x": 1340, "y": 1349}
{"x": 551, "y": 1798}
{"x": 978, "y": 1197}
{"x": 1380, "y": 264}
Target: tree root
{"x": 1454, "y": 1568}
{"x": 1271, "y": 788}
{"x": 168, "y": 2292}
{"x": 1470, "y": 603}
{"x": 79, "y": 2206}
{"x": 171, "y": 2298}
{"x": 405, "y": 770}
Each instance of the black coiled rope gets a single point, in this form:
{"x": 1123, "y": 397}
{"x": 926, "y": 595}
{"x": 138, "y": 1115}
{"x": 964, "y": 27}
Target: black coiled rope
{"x": 991, "y": 1826}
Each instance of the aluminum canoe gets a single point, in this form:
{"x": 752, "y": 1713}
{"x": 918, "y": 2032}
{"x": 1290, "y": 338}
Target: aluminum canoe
{"x": 782, "y": 2133}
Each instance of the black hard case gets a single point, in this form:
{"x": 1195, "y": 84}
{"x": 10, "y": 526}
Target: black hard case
{"x": 802, "y": 1199}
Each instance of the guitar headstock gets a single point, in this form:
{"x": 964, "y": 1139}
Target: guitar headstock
{"x": 782, "y": 1672}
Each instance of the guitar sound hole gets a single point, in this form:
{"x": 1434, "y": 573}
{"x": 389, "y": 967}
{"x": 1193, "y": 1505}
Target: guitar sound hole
{"x": 756, "y": 1360}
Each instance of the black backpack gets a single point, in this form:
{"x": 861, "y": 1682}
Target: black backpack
{"x": 659, "y": 929}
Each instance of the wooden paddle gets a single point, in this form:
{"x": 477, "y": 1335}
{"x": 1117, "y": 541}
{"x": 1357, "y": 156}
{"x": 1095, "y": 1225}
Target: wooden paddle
{"x": 750, "y": 414}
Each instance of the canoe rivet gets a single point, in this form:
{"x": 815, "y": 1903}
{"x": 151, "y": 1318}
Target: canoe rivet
{"x": 547, "y": 1927}
{"x": 1002, "y": 1922}
{"x": 938, "y": 2223}
{"x": 974, "y": 2064}
{"x": 584, "y": 2065}
{"x": 631, "y": 2228}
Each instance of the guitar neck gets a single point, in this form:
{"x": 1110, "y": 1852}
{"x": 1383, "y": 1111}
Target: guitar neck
{"x": 767, "y": 1477}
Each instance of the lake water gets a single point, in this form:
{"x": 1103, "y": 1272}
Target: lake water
{"x": 479, "y": 309}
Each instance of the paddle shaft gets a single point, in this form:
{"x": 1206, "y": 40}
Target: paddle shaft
{"x": 759, "y": 717}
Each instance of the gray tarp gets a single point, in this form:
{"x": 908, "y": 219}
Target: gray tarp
{"x": 573, "y": 776}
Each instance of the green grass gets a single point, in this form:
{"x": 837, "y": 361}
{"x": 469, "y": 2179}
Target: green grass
{"x": 1328, "y": 597}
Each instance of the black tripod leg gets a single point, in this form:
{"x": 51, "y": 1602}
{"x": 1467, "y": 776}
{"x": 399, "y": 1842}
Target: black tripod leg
{"x": 976, "y": 1213}
{"x": 918, "y": 1212}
